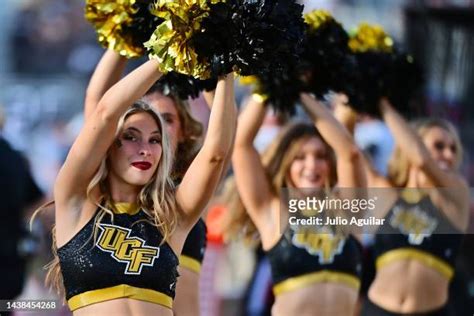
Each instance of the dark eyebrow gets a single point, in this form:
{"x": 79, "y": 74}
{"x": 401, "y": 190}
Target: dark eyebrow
{"x": 168, "y": 114}
{"x": 134, "y": 129}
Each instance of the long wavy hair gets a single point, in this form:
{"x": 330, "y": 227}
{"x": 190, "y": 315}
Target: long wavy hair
{"x": 191, "y": 129}
{"x": 399, "y": 164}
{"x": 156, "y": 198}
{"x": 276, "y": 160}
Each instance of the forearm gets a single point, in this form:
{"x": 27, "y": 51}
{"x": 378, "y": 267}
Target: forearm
{"x": 131, "y": 88}
{"x": 250, "y": 120}
{"x": 202, "y": 177}
{"x": 108, "y": 72}
{"x": 349, "y": 124}
{"x": 328, "y": 126}
{"x": 405, "y": 137}
{"x": 209, "y": 97}
{"x": 343, "y": 112}
{"x": 222, "y": 120}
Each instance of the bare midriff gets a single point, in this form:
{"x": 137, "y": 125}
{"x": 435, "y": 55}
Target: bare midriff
{"x": 324, "y": 298}
{"x": 186, "y": 301}
{"x": 408, "y": 286}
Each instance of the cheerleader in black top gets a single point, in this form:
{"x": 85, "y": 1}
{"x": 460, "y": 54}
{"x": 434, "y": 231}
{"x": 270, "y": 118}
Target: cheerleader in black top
{"x": 313, "y": 273}
{"x": 414, "y": 265}
{"x": 120, "y": 221}
{"x": 185, "y": 134}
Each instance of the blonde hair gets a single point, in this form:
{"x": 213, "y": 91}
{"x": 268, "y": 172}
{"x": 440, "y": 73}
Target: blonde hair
{"x": 399, "y": 164}
{"x": 276, "y": 160}
{"x": 156, "y": 198}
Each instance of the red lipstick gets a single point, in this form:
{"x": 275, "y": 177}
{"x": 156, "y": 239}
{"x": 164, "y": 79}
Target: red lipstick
{"x": 142, "y": 165}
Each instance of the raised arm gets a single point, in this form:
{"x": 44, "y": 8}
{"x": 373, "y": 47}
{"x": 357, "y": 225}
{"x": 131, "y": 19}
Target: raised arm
{"x": 343, "y": 112}
{"x": 252, "y": 183}
{"x": 350, "y": 170}
{"x": 108, "y": 72}
{"x": 209, "y": 97}
{"x": 412, "y": 145}
{"x": 201, "y": 179}
{"x": 98, "y": 133}
{"x": 348, "y": 118}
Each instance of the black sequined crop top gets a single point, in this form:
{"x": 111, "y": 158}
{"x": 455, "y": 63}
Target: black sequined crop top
{"x": 194, "y": 247}
{"x": 418, "y": 231}
{"x": 125, "y": 260}
{"x": 304, "y": 257}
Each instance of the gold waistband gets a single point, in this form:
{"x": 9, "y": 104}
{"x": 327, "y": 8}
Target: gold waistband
{"x": 119, "y": 291}
{"x": 316, "y": 277}
{"x": 189, "y": 263}
{"x": 423, "y": 257}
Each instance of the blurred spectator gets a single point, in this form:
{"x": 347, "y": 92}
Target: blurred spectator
{"x": 52, "y": 36}
{"x": 18, "y": 193}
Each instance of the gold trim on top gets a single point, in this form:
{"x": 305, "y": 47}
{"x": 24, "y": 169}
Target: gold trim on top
{"x": 423, "y": 257}
{"x": 316, "y": 277}
{"x": 126, "y": 208}
{"x": 119, "y": 291}
{"x": 190, "y": 263}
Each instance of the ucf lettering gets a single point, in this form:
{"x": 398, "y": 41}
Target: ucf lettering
{"x": 413, "y": 222}
{"x": 325, "y": 245}
{"x": 130, "y": 250}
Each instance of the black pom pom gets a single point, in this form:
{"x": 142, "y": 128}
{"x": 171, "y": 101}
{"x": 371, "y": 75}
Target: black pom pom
{"x": 178, "y": 84}
{"x": 324, "y": 57}
{"x": 368, "y": 81}
{"x": 214, "y": 43}
{"x": 404, "y": 82}
{"x": 182, "y": 86}
{"x": 380, "y": 74}
{"x": 208, "y": 84}
{"x": 144, "y": 23}
{"x": 282, "y": 89}
{"x": 250, "y": 36}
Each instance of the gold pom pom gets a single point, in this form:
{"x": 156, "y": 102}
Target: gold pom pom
{"x": 169, "y": 44}
{"x": 108, "y": 18}
{"x": 370, "y": 38}
{"x": 316, "y": 18}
